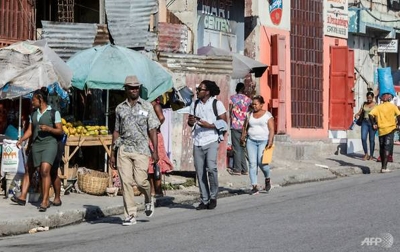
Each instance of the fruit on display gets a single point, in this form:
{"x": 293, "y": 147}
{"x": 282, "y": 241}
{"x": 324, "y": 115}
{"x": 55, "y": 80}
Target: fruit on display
{"x": 78, "y": 129}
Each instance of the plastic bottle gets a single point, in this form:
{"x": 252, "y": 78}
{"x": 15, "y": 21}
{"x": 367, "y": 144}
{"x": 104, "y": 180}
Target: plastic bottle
{"x": 157, "y": 172}
{"x": 352, "y": 124}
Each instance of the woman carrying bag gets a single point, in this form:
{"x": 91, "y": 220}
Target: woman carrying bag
{"x": 258, "y": 133}
{"x": 366, "y": 126}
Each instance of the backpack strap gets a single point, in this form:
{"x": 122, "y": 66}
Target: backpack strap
{"x": 215, "y": 108}
{"x": 53, "y": 116}
{"x": 61, "y": 138}
{"x": 195, "y": 105}
{"x": 214, "y": 105}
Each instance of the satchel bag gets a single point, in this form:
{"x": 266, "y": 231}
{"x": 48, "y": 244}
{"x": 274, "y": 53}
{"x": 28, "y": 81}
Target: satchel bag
{"x": 245, "y": 128}
{"x": 361, "y": 117}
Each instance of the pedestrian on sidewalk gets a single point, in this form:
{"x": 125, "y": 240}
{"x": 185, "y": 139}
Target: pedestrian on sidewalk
{"x": 383, "y": 118}
{"x": 205, "y": 122}
{"x": 135, "y": 123}
{"x": 164, "y": 163}
{"x": 43, "y": 130}
{"x": 259, "y": 135}
{"x": 396, "y": 101}
{"x": 238, "y": 107}
{"x": 366, "y": 127}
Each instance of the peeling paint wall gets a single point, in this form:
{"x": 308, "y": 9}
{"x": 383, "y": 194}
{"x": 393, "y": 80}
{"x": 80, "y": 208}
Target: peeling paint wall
{"x": 190, "y": 70}
{"x": 185, "y": 11}
{"x": 172, "y": 38}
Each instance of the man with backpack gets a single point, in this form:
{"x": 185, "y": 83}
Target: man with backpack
{"x": 205, "y": 115}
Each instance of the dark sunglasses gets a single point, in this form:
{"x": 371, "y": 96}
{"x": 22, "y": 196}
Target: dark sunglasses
{"x": 201, "y": 89}
{"x": 131, "y": 88}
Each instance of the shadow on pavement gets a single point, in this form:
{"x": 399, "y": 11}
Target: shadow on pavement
{"x": 108, "y": 219}
{"x": 93, "y": 212}
{"x": 363, "y": 168}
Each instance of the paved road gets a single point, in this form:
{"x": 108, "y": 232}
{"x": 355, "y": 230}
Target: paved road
{"x": 327, "y": 216}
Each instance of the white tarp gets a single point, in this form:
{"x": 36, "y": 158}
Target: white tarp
{"x": 31, "y": 65}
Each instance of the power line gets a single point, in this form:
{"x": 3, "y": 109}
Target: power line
{"x": 376, "y": 18}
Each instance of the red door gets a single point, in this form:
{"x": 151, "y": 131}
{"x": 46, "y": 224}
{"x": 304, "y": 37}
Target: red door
{"x": 278, "y": 82}
{"x": 340, "y": 88}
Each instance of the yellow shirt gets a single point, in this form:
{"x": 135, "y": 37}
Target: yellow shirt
{"x": 385, "y": 116}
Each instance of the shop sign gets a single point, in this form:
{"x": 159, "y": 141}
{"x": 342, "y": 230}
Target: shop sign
{"x": 336, "y": 18}
{"x": 388, "y": 46}
{"x": 216, "y": 15}
{"x": 217, "y": 24}
{"x": 275, "y": 11}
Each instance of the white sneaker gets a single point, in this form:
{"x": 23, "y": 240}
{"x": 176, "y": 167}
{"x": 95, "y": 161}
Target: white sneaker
{"x": 149, "y": 208}
{"x": 129, "y": 221}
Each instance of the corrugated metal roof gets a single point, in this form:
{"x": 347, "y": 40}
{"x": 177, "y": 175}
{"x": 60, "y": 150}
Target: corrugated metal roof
{"x": 172, "y": 38}
{"x": 128, "y": 22}
{"x": 196, "y": 63}
{"x": 68, "y": 38}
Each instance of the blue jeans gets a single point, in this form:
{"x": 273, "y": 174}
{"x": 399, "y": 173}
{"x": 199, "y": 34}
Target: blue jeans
{"x": 255, "y": 149}
{"x": 366, "y": 128}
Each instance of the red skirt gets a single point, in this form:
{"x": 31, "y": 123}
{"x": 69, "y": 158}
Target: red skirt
{"x": 164, "y": 163}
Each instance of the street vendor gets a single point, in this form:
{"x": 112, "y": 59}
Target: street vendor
{"x": 135, "y": 122}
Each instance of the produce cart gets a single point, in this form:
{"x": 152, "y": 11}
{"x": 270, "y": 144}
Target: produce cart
{"x": 78, "y": 142}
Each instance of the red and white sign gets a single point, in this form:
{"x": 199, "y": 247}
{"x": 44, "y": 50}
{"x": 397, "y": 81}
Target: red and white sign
{"x": 336, "y": 21}
{"x": 275, "y": 11}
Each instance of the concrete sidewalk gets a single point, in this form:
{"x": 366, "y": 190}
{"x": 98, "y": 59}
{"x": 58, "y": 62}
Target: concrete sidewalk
{"x": 83, "y": 207}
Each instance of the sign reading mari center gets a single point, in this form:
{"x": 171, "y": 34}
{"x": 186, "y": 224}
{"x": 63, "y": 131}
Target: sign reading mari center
{"x": 336, "y": 18}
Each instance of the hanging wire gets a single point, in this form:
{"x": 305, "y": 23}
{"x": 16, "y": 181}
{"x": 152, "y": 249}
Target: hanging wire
{"x": 376, "y": 18}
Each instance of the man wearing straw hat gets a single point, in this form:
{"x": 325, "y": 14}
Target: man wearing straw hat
{"x": 135, "y": 123}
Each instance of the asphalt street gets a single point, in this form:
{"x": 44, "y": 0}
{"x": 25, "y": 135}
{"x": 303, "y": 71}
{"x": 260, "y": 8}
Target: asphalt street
{"x": 357, "y": 213}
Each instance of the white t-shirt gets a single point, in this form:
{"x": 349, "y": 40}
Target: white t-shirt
{"x": 258, "y": 127}
{"x": 203, "y": 136}
{"x": 396, "y": 101}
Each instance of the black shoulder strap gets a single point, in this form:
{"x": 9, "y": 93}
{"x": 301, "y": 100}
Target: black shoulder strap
{"x": 53, "y": 116}
{"x": 195, "y": 105}
{"x": 215, "y": 108}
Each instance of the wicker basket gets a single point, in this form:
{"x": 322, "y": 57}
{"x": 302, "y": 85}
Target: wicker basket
{"x": 93, "y": 182}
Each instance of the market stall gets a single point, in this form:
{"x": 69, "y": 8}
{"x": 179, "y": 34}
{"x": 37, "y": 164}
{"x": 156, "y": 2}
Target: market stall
{"x": 77, "y": 142}
{"x": 26, "y": 66}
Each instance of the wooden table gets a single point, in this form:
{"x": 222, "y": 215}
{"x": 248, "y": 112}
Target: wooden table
{"x": 78, "y": 142}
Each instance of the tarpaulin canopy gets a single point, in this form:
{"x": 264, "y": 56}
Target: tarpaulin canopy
{"x": 30, "y": 65}
{"x": 242, "y": 65}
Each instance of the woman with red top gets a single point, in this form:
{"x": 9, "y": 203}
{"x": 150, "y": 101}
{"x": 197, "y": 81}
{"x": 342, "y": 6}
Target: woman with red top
{"x": 164, "y": 163}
